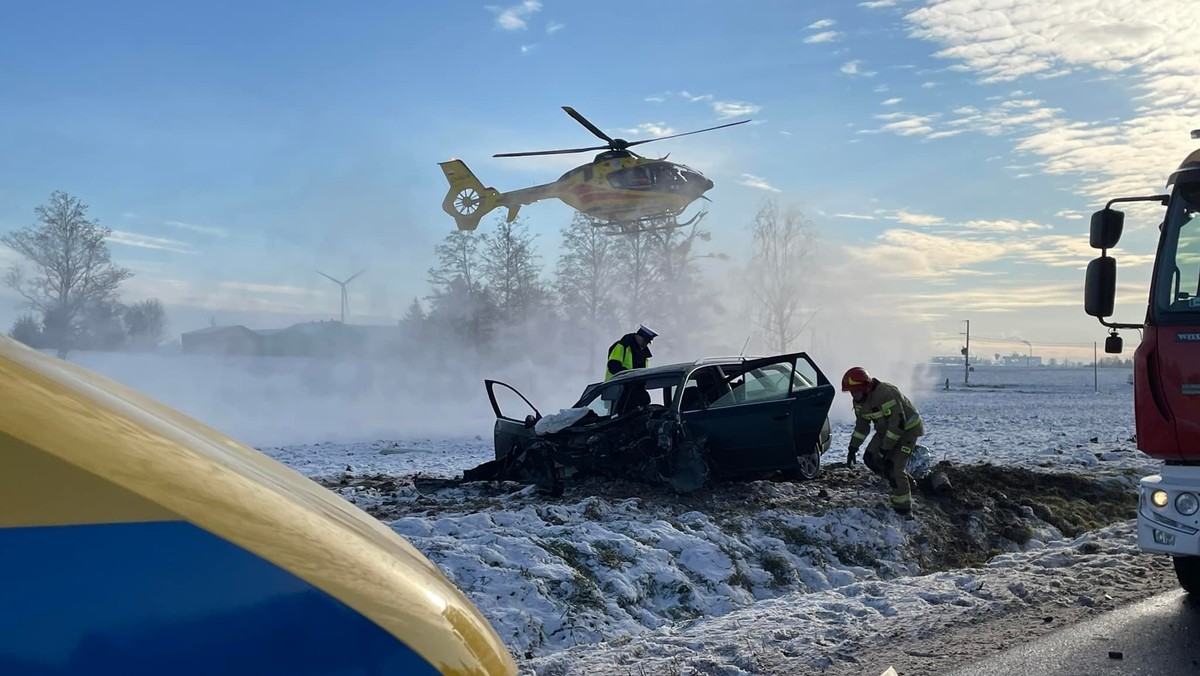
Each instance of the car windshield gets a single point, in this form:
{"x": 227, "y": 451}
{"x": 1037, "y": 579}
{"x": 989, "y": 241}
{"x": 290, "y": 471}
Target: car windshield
{"x": 626, "y": 396}
{"x": 1177, "y": 285}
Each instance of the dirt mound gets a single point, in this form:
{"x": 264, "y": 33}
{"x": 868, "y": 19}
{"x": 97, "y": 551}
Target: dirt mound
{"x": 991, "y": 509}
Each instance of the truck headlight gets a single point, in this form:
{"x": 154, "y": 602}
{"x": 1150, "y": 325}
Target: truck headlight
{"x": 1159, "y": 498}
{"x": 1187, "y": 503}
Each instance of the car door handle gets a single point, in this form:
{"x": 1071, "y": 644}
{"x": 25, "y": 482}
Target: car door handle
{"x": 781, "y": 416}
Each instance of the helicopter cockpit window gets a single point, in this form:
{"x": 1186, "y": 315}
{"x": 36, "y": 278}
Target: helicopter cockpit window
{"x": 667, "y": 177}
{"x": 632, "y": 178}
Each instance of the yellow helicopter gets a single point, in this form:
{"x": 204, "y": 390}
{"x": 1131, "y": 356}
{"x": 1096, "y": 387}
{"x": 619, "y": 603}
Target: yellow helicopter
{"x": 618, "y": 188}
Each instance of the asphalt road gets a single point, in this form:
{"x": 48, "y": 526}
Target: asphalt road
{"x": 1159, "y": 636}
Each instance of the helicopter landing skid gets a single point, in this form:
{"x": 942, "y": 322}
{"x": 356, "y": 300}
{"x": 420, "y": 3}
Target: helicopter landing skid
{"x": 641, "y": 225}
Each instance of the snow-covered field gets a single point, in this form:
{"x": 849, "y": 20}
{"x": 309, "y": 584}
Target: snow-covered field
{"x": 753, "y": 578}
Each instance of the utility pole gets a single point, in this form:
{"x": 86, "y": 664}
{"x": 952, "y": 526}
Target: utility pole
{"x": 966, "y": 351}
{"x": 1095, "y": 368}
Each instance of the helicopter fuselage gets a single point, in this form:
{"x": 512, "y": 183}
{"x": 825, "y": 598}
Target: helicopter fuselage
{"x": 620, "y": 187}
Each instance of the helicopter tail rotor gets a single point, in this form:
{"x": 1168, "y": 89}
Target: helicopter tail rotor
{"x": 467, "y": 200}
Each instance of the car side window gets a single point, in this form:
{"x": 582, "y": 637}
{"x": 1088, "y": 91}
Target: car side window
{"x": 703, "y": 387}
{"x": 770, "y": 382}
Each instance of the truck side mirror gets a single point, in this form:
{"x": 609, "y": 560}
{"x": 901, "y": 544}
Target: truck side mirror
{"x": 1100, "y": 286}
{"x": 1113, "y": 343}
{"x": 1107, "y": 225}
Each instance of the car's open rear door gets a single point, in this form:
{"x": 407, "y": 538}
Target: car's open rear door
{"x": 775, "y": 408}
{"x": 812, "y": 396}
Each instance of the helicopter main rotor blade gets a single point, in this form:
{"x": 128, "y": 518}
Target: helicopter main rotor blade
{"x": 551, "y": 152}
{"x": 584, "y": 121}
{"x": 686, "y": 133}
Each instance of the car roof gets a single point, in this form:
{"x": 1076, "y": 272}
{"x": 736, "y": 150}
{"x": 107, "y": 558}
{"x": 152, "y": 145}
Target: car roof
{"x": 679, "y": 368}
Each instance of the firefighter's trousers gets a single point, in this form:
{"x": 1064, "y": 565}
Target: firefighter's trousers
{"x": 893, "y": 466}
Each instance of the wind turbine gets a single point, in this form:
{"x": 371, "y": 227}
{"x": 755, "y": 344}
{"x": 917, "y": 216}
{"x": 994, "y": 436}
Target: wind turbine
{"x": 345, "y": 298}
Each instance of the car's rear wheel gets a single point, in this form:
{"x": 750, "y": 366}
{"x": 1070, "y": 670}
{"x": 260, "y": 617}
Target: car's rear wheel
{"x": 808, "y": 465}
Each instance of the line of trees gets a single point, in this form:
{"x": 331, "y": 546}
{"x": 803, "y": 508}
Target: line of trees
{"x": 488, "y": 291}
{"x": 489, "y": 294}
{"x": 71, "y": 287}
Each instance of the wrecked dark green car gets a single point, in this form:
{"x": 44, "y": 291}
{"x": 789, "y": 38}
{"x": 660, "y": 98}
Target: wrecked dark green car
{"x": 682, "y": 424}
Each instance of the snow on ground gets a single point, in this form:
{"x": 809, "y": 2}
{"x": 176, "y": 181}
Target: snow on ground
{"x": 770, "y": 578}
{"x": 827, "y": 631}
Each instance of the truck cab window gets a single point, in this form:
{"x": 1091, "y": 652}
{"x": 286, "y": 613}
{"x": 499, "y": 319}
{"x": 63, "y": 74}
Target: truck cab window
{"x": 1179, "y": 271}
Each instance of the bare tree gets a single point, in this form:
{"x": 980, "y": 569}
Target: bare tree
{"x": 458, "y": 258}
{"x": 680, "y": 304}
{"x": 460, "y": 303}
{"x": 511, "y": 271}
{"x": 145, "y": 324}
{"x": 778, "y": 273}
{"x": 635, "y": 270}
{"x": 587, "y": 281}
{"x": 73, "y": 268}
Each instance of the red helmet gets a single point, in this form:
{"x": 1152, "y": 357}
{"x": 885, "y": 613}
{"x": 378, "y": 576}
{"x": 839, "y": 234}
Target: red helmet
{"x": 856, "y": 379}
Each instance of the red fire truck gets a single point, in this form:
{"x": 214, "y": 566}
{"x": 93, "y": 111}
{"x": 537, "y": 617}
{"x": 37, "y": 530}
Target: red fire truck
{"x": 1166, "y": 365}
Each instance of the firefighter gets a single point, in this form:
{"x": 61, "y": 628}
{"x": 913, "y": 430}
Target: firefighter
{"x": 632, "y": 351}
{"x": 897, "y": 427}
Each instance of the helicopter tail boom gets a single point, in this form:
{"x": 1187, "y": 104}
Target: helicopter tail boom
{"x": 467, "y": 200}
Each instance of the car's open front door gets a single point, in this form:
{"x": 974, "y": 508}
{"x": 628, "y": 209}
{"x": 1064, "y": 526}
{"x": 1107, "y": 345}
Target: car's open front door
{"x": 516, "y": 425}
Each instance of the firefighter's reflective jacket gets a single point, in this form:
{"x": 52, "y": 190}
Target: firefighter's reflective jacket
{"x": 892, "y": 414}
{"x": 626, "y": 354}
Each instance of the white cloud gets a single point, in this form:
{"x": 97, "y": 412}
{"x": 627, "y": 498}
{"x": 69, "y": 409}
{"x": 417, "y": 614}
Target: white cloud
{"x": 726, "y": 109}
{"x": 513, "y": 18}
{"x": 909, "y": 218}
{"x": 1069, "y": 214}
{"x": 554, "y": 27}
{"x": 860, "y": 217}
{"x": 651, "y": 129}
{"x": 851, "y": 68}
{"x": 929, "y": 85}
{"x": 879, "y": 89}
{"x": 525, "y": 49}
{"x": 694, "y": 98}
{"x": 919, "y": 255}
{"x": 202, "y": 229}
{"x": 654, "y": 99}
{"x": 1004, "y": 226}
{"x": 871, "y": 4}
{"x": 149, "y": 242}
{"x": 756, "y": 182}
{"x": 823, "y": 23}
{"x": 1148, "y": 43}
{"x": 892, "y": 101}
{"x": 1001, "y": 118}
{"x": 825, "y": 36}
{"x": 908, "y": 125}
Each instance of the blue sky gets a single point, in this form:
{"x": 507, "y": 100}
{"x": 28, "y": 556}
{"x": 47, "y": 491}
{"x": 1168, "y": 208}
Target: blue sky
{"x": 953, "y": 148}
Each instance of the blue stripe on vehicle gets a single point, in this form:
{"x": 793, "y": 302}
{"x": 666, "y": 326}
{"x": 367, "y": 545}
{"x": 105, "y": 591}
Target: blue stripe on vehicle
{"x": 172, "y": 598}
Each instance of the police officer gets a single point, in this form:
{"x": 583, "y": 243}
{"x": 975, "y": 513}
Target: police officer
{"x": 897, "y": 427}
{"x": 632, "y": 351}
